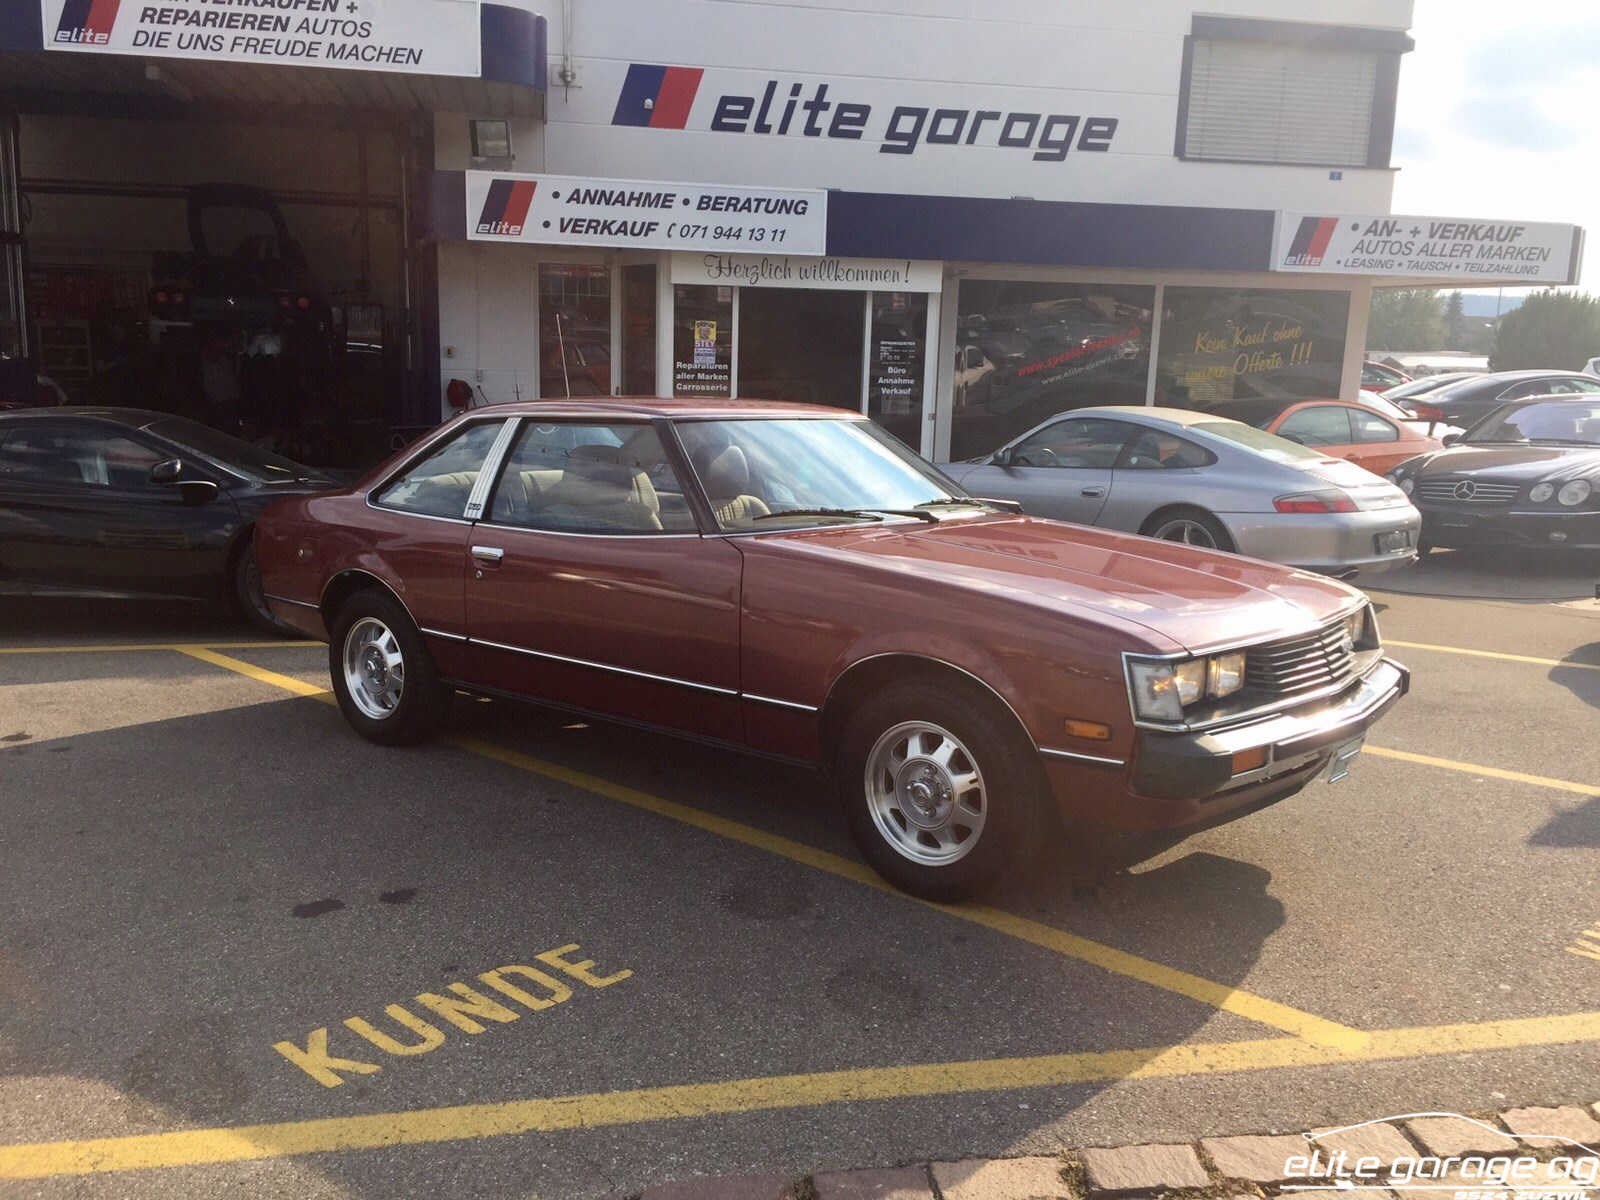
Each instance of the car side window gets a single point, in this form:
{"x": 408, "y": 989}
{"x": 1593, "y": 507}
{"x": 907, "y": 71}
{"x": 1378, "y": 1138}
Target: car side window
{"x": 1091, "y": 442}
{"x": 77, "y": 454}
{"x": 1370, "y": 427}
{"x": 586, "y": 477}
{"x": 1323, "y": 425}
{"x": 1588, "y": 387}
{"x": 439, "y": 484}
{"x": 1156, "y": 450}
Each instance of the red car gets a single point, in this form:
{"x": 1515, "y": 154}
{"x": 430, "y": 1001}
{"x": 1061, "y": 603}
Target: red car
{"x": 792, "y": 581}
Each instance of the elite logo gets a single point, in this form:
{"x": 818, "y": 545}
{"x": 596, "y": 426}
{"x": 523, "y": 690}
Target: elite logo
{"x": 659, "y": 97}
{"x": 505, "y": 209}
{"x": 1311, "y": 241}
{"x": 87, "y": 21}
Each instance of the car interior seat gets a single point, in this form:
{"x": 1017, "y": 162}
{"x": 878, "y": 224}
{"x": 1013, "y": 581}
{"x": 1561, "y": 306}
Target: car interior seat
{"x": 725, "y": 473}
{"x": 598, "y": 490}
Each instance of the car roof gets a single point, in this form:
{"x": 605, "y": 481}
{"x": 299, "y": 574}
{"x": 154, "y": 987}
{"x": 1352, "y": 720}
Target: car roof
{"x": 652, "y": 407}
{"x": 135, "y": 418}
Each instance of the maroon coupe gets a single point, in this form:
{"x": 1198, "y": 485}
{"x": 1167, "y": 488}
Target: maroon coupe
{"x": 793, "y": 581}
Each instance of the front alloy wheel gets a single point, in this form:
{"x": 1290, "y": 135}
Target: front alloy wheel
{"x": 383, "y": 676}
{"x": 925, "y": 793}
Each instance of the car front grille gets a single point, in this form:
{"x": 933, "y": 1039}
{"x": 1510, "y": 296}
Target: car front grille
{"x": 1295, "y": 666}
{"x": 1467, "y": 491}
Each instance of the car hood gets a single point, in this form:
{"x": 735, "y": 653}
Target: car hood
{"x": 1196, "y": 600}
{"x": 1513, "y": 464}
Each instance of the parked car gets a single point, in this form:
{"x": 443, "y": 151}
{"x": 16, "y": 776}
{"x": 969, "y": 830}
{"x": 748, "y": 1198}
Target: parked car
{"x": 1468, "y": 401}
{"x": 1527, "y": 475}
{"x": 125, "y": 501}
{"x": 1422, "y": 418}
{"x": 792, "y": 580}
{"x": 1354, "y": 432}
{"x": 1206, "y": 480}
{"x": 1377, "y": 375}
{"x": 1402, "y": 392}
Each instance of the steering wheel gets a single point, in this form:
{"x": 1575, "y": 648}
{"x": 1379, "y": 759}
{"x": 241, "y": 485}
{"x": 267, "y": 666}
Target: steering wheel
{"x": 1026, "y": 459}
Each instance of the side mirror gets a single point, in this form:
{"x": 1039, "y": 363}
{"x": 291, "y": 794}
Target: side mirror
{"x": 1451, "y": 439}
{"x": 1001, "y": 457}
{"x": 168, "y": 470}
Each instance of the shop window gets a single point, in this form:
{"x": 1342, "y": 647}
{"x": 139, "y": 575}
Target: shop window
{"x": 702, "y": 340}
{"x": 1221, "y": 344}
{"x": 801, "y": 344}
{"x": 896, "y": 367}
{"x": 1289, "y": 92}
{"x": 1025, "y": 351}
{"x": 574, "y": 330}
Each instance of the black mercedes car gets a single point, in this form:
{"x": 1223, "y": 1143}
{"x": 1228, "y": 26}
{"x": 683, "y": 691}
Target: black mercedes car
{"x": 1526, "y": 475}
{"x": 123, "y": 501}
{"x": 1465, "y": 402}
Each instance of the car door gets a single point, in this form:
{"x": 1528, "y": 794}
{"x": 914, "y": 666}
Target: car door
{"x": 1380, "y": 444}
{"x": 591, "y": 585}
{"x": 78, "y": 509}
{"x": 1061, "y": 470}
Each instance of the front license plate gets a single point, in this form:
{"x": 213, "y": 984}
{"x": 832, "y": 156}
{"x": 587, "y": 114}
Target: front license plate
{"x": 1343, "y": 756}
{"x": 1394, "y": 541}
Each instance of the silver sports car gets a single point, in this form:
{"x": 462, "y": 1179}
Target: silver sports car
{"x": 1198, "y": 478}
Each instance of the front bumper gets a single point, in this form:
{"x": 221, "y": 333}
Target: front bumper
{"x": 1199, "y": 767}
{"x": 1460, "y": 526}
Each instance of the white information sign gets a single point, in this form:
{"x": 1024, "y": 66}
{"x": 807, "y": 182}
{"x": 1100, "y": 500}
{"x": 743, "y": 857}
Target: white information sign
{"x": 1447, "y": 248}
{"x": 804, "y": 271}
{"x": 642, "y": 214}
{"x": 427, "y": 37}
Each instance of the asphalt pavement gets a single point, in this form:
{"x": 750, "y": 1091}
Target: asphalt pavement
{"x": 242, "y": 949}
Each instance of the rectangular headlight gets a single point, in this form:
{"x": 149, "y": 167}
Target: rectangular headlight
{"x": 1161, "y": 688}
{"x": 1225, "y": 674}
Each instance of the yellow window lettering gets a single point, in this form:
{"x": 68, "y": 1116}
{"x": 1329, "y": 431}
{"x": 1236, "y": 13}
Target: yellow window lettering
{"x": 582, "y": 971}
{"x": 432, "y": 1037}
{"x": 558, "y": 990}
{"x": 315, "y": 1061}
{"x": 467, "y": 1008}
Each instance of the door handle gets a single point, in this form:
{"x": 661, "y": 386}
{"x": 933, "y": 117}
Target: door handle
{"x": 1093, "y": 491}
{"x": 488, "y": 554}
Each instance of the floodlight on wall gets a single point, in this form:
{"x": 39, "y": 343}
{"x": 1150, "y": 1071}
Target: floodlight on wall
{"x": 491, "y": 140}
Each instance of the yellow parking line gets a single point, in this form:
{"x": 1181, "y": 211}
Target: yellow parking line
{"x": 1520, "y": 658}
{"x": 1466, "y": 768}
{"x": 1217, "y": 995}
{"x": 287, "y": 682}
{"x": 767, "y": 1093}
{"x": 123, "y": 648}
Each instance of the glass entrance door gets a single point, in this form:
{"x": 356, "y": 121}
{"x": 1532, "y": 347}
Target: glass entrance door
{"x": 16, "y": 368}
{"x": 801, "y": 344}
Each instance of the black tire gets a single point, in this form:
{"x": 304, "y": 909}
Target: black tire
{"x": 1013, "y": 799}
{"x": 248, "y": 598}
{"x": 422, "y": 700}
{"x": 1156, "y": 522}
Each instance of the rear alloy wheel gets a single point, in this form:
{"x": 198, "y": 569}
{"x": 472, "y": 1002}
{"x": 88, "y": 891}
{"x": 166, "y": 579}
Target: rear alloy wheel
{"x": 936, "y": 785}
{"x": 383, "y": 676}
{"x": 1191, "y": 527}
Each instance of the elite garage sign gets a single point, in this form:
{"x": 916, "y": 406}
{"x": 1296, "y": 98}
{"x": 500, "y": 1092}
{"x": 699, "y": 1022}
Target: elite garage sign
{"x": 661, "y": 97}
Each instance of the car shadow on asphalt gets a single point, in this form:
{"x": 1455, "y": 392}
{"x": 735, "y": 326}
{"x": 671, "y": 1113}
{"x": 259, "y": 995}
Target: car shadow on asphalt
{"x": 1572, "y": 828}
{"x": 1581, "y": 678}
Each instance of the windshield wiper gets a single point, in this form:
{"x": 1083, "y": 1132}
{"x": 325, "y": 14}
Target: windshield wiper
{"x": 857, "y": 513}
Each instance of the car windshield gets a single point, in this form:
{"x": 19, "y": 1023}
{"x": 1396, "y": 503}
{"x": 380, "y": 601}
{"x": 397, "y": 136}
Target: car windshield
{"x": 238, "y": 455}
{"x": 1268, "y": 445}
{"x": 772, "y": 472}
{"x": 1566, "y": 422}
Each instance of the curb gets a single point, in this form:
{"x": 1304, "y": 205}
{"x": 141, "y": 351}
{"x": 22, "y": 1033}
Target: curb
{"x": 1249, "y": 1167}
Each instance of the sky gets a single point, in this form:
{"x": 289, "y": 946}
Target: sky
{"x": 1497, "y": 115}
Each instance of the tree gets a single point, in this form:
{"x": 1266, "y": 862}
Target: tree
{"x": 1455, "y": 323}
{"x": 1555, "y": 331}
{"x": 1406, "y": 319}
